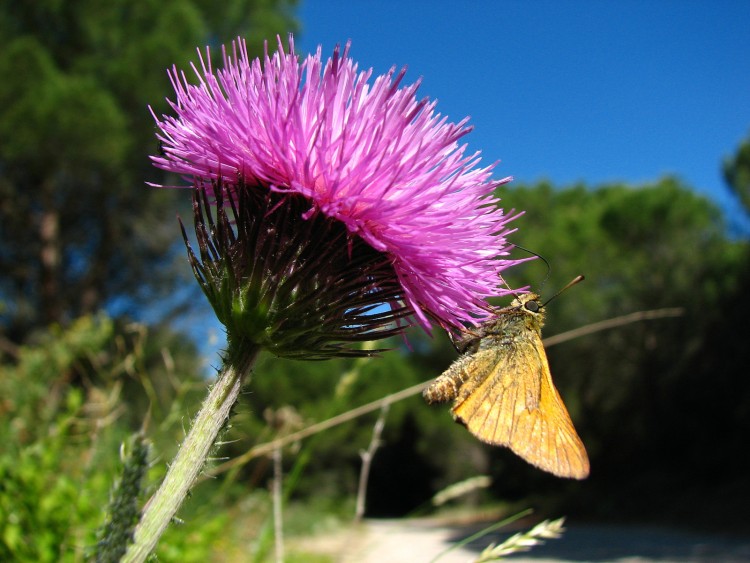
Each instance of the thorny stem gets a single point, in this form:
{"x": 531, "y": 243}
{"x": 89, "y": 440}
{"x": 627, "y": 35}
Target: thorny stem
{"x": 192, "y": 455}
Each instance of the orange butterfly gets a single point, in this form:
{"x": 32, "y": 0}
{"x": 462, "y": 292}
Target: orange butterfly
{"x": 503, "y": 392}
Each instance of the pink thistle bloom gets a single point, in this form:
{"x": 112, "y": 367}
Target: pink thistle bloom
{"x": 365, "y": 153}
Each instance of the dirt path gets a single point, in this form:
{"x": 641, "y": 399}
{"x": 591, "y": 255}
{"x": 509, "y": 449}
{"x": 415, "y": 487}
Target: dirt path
{"x": 417, "y": 541}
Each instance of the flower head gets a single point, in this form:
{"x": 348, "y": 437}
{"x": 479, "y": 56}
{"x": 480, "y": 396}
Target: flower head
{"x": 365, "y": 154}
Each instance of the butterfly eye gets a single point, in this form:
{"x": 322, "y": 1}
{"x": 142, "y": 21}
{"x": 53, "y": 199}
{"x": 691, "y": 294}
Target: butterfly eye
{"x": 532, "y": 306}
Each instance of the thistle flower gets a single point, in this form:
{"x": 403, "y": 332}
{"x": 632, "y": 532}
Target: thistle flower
{"x": 379, "y": 173}
{"x": 320, "y": 198}
{"x": 300, "y": 288}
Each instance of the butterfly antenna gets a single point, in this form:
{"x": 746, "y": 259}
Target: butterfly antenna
{"x": 570, "y": 284}
{"x": 543, "y": 259}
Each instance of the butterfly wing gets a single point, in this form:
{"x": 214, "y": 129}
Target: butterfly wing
{"x": 516, "y": 405}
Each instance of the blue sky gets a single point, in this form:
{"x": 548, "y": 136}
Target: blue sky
{"x": 570, "y": 90}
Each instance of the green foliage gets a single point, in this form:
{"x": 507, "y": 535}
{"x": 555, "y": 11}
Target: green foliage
{"x": 44, "y": 516}
{"x": 64, "y": 413}
{"x": 34, "y": 390}
{"x": 54, "y": 447}
{"x": 206, "y": 531}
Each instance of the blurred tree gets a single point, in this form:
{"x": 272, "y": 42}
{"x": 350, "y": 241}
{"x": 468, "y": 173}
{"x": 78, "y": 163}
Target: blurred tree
{"x": 78, "y": 228}
{"x": 737, "y": 173}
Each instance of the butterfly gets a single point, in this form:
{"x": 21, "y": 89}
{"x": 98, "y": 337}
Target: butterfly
{"x": 502, "y": 391}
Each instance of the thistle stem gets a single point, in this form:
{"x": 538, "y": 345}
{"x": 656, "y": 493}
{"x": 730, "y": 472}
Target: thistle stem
{"x": 192, "y": 455}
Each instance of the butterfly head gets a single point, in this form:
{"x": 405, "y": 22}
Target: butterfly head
{"x": 528, "y": 303}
